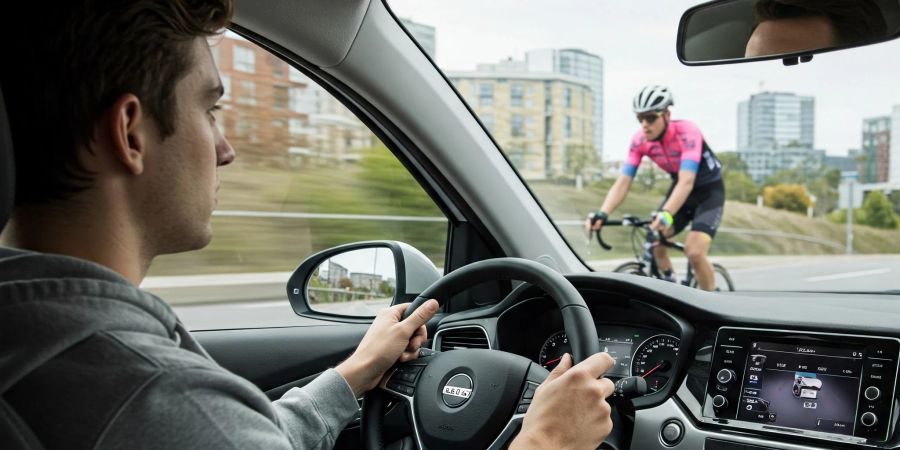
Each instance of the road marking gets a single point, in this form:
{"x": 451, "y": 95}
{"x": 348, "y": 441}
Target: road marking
{"x": 841, "y": 276}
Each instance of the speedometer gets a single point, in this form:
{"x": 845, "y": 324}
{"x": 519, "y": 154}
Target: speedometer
{"x": 654, "y": 360}
{"x": 553, "y": 349}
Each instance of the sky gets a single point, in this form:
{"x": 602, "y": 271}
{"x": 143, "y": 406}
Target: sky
{"x": 636, "y": 40}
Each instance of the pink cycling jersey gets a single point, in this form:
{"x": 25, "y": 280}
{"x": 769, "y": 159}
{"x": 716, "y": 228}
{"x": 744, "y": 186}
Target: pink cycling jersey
{"x": 681, "y": 148}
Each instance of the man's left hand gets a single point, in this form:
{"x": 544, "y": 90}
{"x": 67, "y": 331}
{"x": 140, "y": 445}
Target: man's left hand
{"x": 388, "y": 341}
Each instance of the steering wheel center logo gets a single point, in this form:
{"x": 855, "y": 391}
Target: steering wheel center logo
{"x": 458, "y": 390}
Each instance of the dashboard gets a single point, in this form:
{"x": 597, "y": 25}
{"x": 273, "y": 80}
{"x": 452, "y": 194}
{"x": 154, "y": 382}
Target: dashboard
{"x": 749, "y": 372}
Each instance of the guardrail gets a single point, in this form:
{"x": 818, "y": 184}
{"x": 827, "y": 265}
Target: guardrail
{"x": 560, "y": 223}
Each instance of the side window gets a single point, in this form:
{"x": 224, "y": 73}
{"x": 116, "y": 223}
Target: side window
{"x": 308, "y": 175}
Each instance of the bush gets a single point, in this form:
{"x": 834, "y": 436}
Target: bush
{"x": 879, "y": 211}
{"x": 791, "y": 197}
{"x": 840, "y": 216}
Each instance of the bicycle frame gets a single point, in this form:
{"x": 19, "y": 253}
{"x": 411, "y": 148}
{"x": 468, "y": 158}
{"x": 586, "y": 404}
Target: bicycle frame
{"x": 652, "y": 238}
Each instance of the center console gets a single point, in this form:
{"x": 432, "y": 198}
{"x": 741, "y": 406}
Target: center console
{"x": 827, "y": 386}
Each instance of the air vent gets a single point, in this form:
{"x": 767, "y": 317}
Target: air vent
{"x": 463, "y": 337}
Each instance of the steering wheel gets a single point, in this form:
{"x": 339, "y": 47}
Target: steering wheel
{"x": 475, "y": 398}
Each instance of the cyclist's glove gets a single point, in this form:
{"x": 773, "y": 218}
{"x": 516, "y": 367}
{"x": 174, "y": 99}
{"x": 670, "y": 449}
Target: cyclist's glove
{"x": 595, "y": 216}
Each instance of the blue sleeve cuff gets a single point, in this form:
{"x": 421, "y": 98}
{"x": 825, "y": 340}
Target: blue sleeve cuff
{"x": 629, "y": 170}
{"x": 693, "y": 166}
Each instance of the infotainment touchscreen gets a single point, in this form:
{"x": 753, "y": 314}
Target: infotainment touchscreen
{"x": 809, "y": 387}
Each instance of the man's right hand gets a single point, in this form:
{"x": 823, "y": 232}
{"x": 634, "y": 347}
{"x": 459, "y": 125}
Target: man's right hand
{"x": 569, "y": 410}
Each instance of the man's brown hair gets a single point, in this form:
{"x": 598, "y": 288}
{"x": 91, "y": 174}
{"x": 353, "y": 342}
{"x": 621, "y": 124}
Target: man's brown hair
{"x": 854, "y": 21}
{"x": 67, "y": 62}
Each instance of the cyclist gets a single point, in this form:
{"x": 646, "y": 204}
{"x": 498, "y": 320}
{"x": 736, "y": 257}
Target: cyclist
{"x": 697, "y": 194}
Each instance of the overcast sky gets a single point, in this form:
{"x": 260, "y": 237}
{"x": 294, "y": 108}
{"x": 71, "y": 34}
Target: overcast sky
{"x": 636, "y": 40}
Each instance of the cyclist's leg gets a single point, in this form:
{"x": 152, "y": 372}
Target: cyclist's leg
{"x": 706, "y": 220}
{"x": 696, "y": 247}
{"x": 681, "y": 219}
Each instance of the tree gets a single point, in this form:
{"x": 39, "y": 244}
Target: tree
{"x": 739, "y": 186}
{"x": 732, "y": 162}
{"x": 894, "y": 197}
{"x": 879, "y": 211}
{"x": 345, "y": 283}
{"x": 791, "y": 197}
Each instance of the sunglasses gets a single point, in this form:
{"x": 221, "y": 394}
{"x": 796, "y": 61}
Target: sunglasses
{"x": 649, "y": 117}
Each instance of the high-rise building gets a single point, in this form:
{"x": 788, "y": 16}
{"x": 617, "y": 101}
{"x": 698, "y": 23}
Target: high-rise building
{"x": 774, "y": 120}
{"x": 423, "y": 34}
{"x": 776, "y": 132}
{"x": 876, "y": 149}
{"x": 580, "y": 64}
{"x": 542, "y": 121}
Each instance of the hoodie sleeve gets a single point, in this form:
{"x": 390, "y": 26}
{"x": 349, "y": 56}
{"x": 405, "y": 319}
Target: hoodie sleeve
{"x": 212, "y": 408}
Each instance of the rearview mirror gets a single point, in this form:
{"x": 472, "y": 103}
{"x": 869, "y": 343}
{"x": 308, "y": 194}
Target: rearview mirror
{"x": 731, "y": 31}
{"x": 352, "y": 282}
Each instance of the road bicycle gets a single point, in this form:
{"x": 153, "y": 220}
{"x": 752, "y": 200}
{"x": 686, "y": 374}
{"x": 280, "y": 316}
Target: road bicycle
{"x": 645, "y": 262}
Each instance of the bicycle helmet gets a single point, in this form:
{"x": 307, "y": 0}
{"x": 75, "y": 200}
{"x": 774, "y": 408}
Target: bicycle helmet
{"x": 652, "y": 98}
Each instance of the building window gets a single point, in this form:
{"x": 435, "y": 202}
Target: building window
{"x": 488, "y": 121}
{"x": 567, "y": 127}
{"x": 486, "y": 94}
{"x": 244, "y": 59}
{"x": 226, "y": 84}
{"x": 295, "y": 99}
{"x": 277, "y": 65}
{"x": 517, "y": 126}
{"x": 295, "y": 126}
{"x": 567, "y": 98}
{"x": 516, "y": 92}
{"x": 280, "y": 96}
{"x": 247, "y": 96}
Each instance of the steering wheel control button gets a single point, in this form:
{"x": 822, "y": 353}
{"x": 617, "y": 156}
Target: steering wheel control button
{"x": 725, "y": 376}
{"x": 529, "y": 391}
{"x": 872, "y": 393}
{"x": 671, "y": 433}
{"x": 868, "y": 419}
{"x": 720, "y": 402}
{"x": 522, "y": 409}
{"x": 458, "y": 390}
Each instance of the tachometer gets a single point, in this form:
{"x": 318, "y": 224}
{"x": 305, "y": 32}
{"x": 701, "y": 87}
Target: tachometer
{"x": 654, "y": 360}
{"x": 553, "y": 349}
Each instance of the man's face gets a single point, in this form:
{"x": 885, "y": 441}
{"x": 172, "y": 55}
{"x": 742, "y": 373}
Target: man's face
{"x": 773, "y": 37}
{"x": 653, "y": 123}
{"x": 182, "y": 168}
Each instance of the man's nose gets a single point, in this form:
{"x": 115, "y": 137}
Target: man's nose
{"x": 224, "y": 151}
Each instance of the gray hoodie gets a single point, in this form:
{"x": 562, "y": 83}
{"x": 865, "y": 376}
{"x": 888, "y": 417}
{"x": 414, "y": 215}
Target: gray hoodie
{"x": 89, "y": 361}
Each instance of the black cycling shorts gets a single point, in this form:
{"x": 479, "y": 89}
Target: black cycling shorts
{"x": 703, "y": 209}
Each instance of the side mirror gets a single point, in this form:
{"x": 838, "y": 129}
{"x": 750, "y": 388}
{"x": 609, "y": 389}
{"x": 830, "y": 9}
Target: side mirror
{"x": 352, "y": 282}
{"x": 733, "y": 31}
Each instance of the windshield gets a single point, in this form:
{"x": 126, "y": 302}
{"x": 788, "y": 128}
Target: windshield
{"x": 554, "y": 84}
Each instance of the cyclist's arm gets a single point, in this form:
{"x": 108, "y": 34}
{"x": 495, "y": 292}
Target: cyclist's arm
{"x": 616, "y": 194}
{"x": 681, "y": 192}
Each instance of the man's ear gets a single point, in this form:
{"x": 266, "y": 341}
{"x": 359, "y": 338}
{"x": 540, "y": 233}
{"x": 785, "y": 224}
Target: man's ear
{"x": 127, "y": 127}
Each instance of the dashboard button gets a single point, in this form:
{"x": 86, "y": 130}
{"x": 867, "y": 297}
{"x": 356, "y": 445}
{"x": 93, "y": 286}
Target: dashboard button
{"x": 868, "y": 419}
{"x": 720, "y": 402}
{"x": 672, "y": 432}
{"x": 872, "y": 393}
{"x": 725, "y": 376}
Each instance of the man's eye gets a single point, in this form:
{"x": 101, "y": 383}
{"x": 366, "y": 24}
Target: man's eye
{"x": 214, "y": 110}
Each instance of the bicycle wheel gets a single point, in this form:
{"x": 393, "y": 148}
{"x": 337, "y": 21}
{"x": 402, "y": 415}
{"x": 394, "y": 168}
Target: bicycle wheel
{"x": 723, "y": 279}
{"x": 632, "y": 267}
